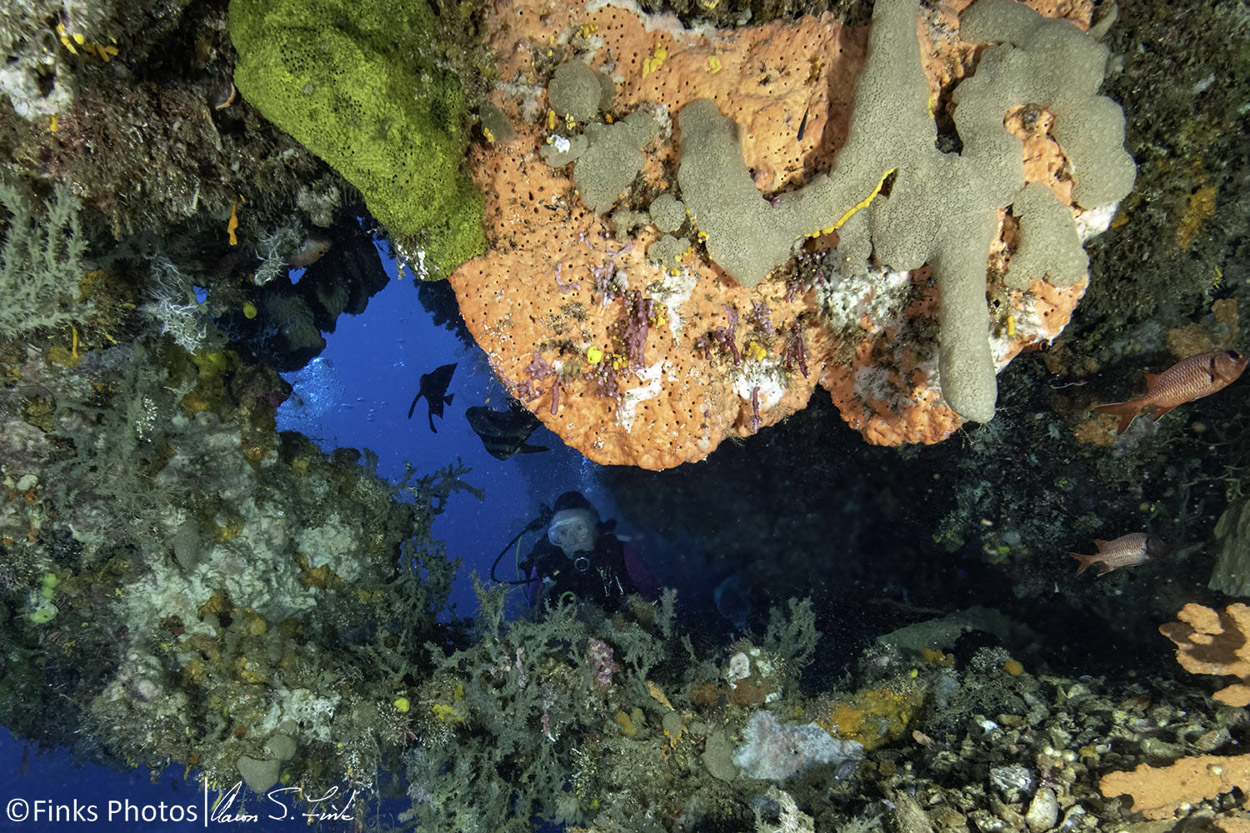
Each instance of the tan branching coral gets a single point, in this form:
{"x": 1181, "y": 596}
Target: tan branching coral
{"x": 1211, "y": 642}
{"x": 654, "y": 364}
{"x": 1207, "y": 642}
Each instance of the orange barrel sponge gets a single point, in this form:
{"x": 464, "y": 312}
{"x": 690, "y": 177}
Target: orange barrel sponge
{"x": 601, "y": 302}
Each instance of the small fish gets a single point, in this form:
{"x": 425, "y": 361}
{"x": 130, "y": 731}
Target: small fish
{"x": 1185, "y": 381}
{"x": 434, "y": 389}
{"x": 310, "y": 251}
{"x": 1125, "y": 551}
{"x": 504, "y": 433}
{"x": 802, "y": 126}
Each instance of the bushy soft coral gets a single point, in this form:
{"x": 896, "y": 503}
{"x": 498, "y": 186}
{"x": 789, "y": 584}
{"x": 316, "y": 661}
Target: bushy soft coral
{"x": 41, "y": 262}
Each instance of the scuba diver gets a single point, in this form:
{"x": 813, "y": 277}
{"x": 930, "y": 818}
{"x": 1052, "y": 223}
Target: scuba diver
{"x": 578, "y": 556}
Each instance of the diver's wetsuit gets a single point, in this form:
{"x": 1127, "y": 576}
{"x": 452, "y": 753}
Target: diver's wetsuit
{"x": 604, "y": 581}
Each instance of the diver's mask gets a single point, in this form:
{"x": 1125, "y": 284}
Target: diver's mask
{"x": 574, "y": 531}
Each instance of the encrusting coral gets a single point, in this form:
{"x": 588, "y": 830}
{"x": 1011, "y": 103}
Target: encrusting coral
{"x": 637, "y": 349}
{"x": 1159, "y": 791}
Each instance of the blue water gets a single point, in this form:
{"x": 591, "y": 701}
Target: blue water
{"x": 49, "y": 791}
{"x": 357, "y": 394}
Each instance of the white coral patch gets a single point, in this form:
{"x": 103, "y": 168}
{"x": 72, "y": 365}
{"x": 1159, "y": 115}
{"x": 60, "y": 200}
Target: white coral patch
{"x": 650, "y": 389}
{"x": 739, "y": 669}
{"x": 313, "y": 711}
{"x": 767, "y": 375}
{"x": 673, "y": 291}
{"x": 668, "y": 23}
{"x": 878, "y": 296}
{"x": 331, "y": 544}
{"x": 1091, "y": 223}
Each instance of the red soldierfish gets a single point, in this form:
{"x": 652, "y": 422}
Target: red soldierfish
{"x": 1125, "y": 551}
{"x": 1185, "y": 381}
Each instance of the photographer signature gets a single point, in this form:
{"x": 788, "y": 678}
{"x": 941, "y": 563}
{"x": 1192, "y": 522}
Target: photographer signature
{"x": 332, "y": 805}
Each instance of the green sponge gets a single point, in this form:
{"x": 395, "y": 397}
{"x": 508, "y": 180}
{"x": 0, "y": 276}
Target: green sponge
{"x": 358, "y": 85}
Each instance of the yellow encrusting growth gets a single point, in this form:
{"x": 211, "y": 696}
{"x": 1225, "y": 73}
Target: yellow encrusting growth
{"x": 655, "y": 61}
{"x": 77, "y": 39}
{"x": 857, "y": 207}
{"x": 453, "y": 712}
{"x": 873, "y": 717}
{"x": 630, "y": 723}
